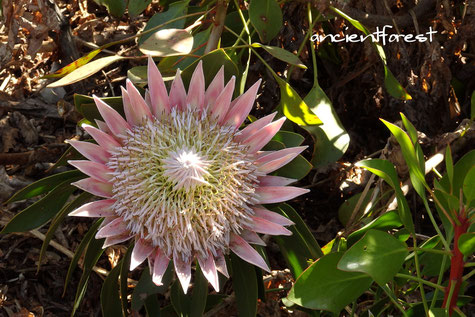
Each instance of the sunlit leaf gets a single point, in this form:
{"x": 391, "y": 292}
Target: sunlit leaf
{"x": 168, "y": 42}
{"x": 74, "y": 65}
{"x": 322, "y": 286}
{"x": 85, "y": 71}
{"x": 293, "y": 107}
{"x": 378, "y": 254}
{"x": 266, "y": 17}
{"x": 467, "y": 243}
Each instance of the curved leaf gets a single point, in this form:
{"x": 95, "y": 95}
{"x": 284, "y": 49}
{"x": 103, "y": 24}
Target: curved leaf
{"x": 85, "y": 71}
{"x": 244, "y": 285}
{"x": 323, "y": 286}
{"x": 266, "y": 17}
{"x": 282, "y": 54}
{"x": 387, "y": 221}
{"x": 378, "y": 254}
{"x": 467, "y": 243}
{"x": 168, "y": 42}
{"x": 110, "y": 300}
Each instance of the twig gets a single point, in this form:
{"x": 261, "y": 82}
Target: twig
{"x": 220, "y": 17}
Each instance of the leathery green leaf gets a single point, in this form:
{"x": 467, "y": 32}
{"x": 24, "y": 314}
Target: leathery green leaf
{"x": 293, "y": 107}
{"x": 42, "y": 186}
{"x": 323, "y": 286}
{"x": 386, "y": 221}
{"x": 110, "y": 300}
{"x": 244, "y": 285}
{"x": 200, "y": 294}
{"x": 146, "y": 287}
{"x": 282, "y": 54}
{"x": 467, "y": 243}
{"x": 378, "y": 254}
{"x": 266, "y": 17}
{"x": 43, "y": 210}
{"x": 124, "y": 273}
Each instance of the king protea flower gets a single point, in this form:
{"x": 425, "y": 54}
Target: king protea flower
{"x": 179, "y": 177}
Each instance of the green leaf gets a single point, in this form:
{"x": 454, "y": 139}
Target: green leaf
{"x": 87, "y": 107}
{"x": 469, "y": 186}
{"x": 175, "y": 10}
{"x": 289, "y": 139}
{"x": 43, "y": 210}
{"x": 377, "y": 254}
{"x": 168, "y": 42}
{"x": 137, "y": 6}
{"x": 322, "y": 286}
{"x": 145, "y": 287}
{"x": 298, "y": 168}
{"x": 266, "y": 17}
{"x": 180, "y": 301}
{"x": 331, "y": 138}
{"x": 74, "y": 65}
{"x": 152, "y": 306}
{"x": 449, "y": 166}
{"x": 44, "y": 185}
{"x": 200, "y": 294}
{"x": 110, "y": 301}
{"x": 385, "y": 170}
{"x": 467, "y": 243}
{"x": 245, "y": 286}
{"x": 282, "y": 54}
{"x": 212, "y": 62}
{"x": 416, "y": 173}
{"x": 387, "y": 221}
{"x": 461, "y": 169}
{"x": 346, "y": 209}
{"x": 431, "y": 262}
{"x": 124, "y": 273}
{"x": 114, "y": 7}
{"x": 85, "y": 71}
{"x": 82, "y": 198}
{"x": 93, "y": 253}
{"x": 293, "y": 107}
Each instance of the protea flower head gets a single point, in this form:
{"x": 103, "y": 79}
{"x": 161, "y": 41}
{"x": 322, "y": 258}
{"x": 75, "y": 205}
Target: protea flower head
{"x": 179, "y": 177}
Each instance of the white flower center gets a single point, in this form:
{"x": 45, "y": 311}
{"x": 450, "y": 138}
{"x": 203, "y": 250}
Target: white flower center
{"x": 185, "y": 169}
{"x": 184, "y": 184}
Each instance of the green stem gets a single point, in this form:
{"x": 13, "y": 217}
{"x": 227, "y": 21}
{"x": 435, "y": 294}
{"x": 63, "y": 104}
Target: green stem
{"x": 443, "y": 252}
{"x": 469, "y": 264}
{"x": 434, "y": 223}
{"x": 245, "y": 23}
{"x": 414, "y": 278}
{"x": 418, "y": 273}
{"x": 449, "y": 297}
{"x": 459, "y": 311}
{"x": 393, "y": 298}
{"x": 468, "y": 275}
{"x": 439, "y": 281}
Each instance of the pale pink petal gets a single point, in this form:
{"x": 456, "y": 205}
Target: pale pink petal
{"x": 96, "y": 170}
{"x": 238, "y": 113}
{"x": 264, "y": 226}
{"x": 177, "y": 92}
{"x": 113, "y": 240}
{"x": 148, "y": 101}
{"x": 263, "y": 136}
{"x": 215, "y": 88}
{"x": 137, "y": 111}
{"x": 160, "y": 265}
{"x": 272, "y": 216}
{"x": 252, "y": 237}
{"x": 100, "y": 208}
{"x": 196, "y": 91}
{"x": 275, "y": 160}
{"x": 242, "y": 249}
{"x": 105, "y": 141}
{"x": 91, "y": 151}
{"x": 158, "y": 92}
{"x": 208, "y": 267}
{"x": 113, "y": 228}
{"x": 221, "y": 106}
{"x": 269, "y": 180}
{"x": 221, "y": 264}
{"x": 254, "y": 127}
{"x": 183, "y": 271}
{"x": 94, "y": 187}
{"x": 277, "y": 194}
{"x": 140, "y": 252}
{"x": 103, "y": 126}
{"x": 114, "y": 120}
